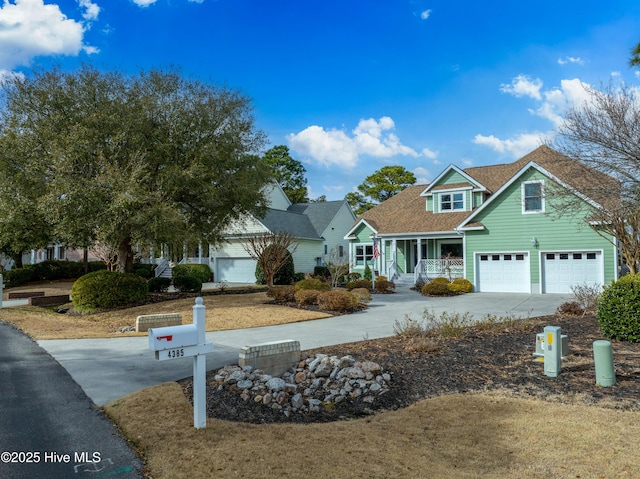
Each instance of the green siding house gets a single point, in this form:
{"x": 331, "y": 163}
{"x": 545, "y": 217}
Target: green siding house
{"x": 493, "y": 225}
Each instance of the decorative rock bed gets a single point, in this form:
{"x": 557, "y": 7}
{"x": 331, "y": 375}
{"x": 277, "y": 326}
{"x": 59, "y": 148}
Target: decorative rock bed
{"x": 320, "y": 381}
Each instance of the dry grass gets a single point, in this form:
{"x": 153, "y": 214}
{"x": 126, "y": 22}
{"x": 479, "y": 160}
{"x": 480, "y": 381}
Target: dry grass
{"x": 458, "y": 436}
{"x": 227, "y": 311}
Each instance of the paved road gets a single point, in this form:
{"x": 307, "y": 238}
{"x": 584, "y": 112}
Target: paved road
{"x": 47, "y": 419}
{"x": 108, "y": 369}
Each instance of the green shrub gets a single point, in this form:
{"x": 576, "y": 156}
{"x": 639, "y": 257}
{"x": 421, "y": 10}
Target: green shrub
{"x": 96, "y": 266}
{"x": 436, "y": 288}
{"x": 282, "y": 294}
{"x": 461, "y": 285}
{"x": 384, "y": 286}
{"x": 284, "y": 275}
{"x": 321, "y": 271}
{"x": 353, "y": 276}
{"x": 51, "y": 270}
{"x": 107, "y": 289}
{"x": 359, "y": 283}
{"x": 159, "y": 285}
{"x": 367, "y": 272}
{"x": 313, "y": 283}
{"x": 619, "y": 309}
{"x": 363, "y": 294}
{"x": 143, "y": 273}
{"x": 337, "y": 300}
{"x": 298, "y": 277}
{"x": 200, "y": 271}
{"x": 306, "y": 297}
{"x": 18, "y": 276}
{"x": 187, "y": 283}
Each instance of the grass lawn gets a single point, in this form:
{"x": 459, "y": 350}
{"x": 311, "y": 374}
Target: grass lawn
{"x": 454, "y": 436}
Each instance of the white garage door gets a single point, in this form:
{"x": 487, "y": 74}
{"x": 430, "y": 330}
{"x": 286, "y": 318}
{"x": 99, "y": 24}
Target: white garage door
{"x": 561, "y": 271}
{"x": 235, "y": 270}
{"x": 503, "y": 272}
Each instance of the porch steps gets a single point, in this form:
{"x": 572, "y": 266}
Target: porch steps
{"x": 167, "y": 273}
{"x": 403, "y": 279}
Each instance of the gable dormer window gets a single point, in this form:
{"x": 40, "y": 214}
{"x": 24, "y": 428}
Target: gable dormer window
{"x": 451, "y": 201}
{"x": 533, "y": 197}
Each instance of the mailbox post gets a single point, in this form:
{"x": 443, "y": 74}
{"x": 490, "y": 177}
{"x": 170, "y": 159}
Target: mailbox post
{"x": 175, "y": 342}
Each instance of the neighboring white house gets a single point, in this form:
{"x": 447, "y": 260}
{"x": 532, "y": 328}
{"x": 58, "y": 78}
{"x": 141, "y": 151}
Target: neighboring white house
{"x": 317, "y": 227}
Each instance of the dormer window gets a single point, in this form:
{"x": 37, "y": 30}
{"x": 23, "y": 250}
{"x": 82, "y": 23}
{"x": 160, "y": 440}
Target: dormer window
{"x": 532, "y": 197}
{"x": 451, "y": 201}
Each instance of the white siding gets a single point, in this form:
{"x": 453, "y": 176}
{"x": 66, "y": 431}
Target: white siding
{"x": 277, "y": 199}
{"x": 304, "y": 258}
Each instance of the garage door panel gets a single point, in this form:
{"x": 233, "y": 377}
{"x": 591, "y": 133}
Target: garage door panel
{"x": 561, "y": 271}
{"x": 503, "y": 273}
{"x": 236, "y": 270}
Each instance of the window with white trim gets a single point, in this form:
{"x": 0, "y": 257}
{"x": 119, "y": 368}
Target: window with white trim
{"x": 533, "y": 197}
{"x": 363, "y": 253}
{"x": 451, "y": 201}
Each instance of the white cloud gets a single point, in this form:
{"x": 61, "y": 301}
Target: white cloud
{"x": 565, "y": 60}
{"x": 91, "y": 11}
{"x": 427, "y": 153}
{"x": 30, "y": 29}
{"x": 371, "y": 137}
{"x": 517, "y": 147}
{"x": 144, "y": 3}
{"x": 422, "y": 175}
{"x": 522, "y": 85}
{"x": 425, "y": 14}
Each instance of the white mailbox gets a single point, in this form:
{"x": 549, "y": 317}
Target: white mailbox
{"x": 172, "y": 337}
{"x": 175, "y": 342}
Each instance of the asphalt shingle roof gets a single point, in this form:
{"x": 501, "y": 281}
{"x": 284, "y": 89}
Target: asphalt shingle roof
{"x": 406, "y": 211}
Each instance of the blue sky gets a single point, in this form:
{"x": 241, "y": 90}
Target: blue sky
{"x": 354, "y": 85}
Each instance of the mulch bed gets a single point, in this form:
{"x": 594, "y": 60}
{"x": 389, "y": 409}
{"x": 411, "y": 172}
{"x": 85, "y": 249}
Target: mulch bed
{"x": 496, "y": 360}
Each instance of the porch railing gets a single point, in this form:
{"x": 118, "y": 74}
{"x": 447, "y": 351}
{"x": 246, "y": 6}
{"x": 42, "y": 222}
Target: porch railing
{"x": 163, "y": 263}
{"x": 427, "y": 269}
{"x": 392, "y": 270}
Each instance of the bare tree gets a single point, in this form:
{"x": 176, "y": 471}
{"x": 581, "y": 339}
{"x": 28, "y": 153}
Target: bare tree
{"x": 107, "y": 254}
{"x": 337, "y": 265}
{"x": 603, "y": 134}
{"x": 270, "y": 250}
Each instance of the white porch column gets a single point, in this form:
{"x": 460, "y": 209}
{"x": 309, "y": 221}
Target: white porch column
{"x": 33, "y": 256}
{"x": 199, "y": 252}
{"x": 152, "y": 254}
{"x": 185, "y": 252}
{"x": 56, "y": 252}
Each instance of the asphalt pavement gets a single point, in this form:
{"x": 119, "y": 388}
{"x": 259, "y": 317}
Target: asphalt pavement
{"x": 48, "y": 427}
{"x": 108, "y": 369}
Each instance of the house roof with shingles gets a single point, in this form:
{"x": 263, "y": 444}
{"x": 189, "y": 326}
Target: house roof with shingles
{"x": 298, "y": 225}
{"x": 406, "y": 211}
{"x": 320, "y": 214}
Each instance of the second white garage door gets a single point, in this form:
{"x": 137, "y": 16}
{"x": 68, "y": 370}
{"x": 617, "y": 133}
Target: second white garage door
{"x": 235, "y": 270}
{"x": 561, "y": 271}
{"x": 503, "y": 272}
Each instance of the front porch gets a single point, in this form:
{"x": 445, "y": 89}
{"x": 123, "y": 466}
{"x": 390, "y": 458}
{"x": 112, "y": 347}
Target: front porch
{"x": 410, "y": 261}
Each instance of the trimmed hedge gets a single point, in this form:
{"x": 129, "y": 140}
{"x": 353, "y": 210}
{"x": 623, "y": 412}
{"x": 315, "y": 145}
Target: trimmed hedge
{"x": 282, "y": 294}
{"x": 461, "y": 285}
{"x": 436, "y": 288}
{"x": 159, "y": 284}
{"x": 107, "y": 289}
{"x": 200, "y": 271}
{"x": 337, "y": 300}
{"x": 312, "y": 283}
{"x": 187, "y": 283}
{"x": 359, "y": 283}
{"x": 619, "y": 309}
{"x": 306, "y": 297}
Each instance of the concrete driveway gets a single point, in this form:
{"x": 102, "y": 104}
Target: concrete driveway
{"x": 111, "y": 368}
